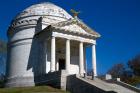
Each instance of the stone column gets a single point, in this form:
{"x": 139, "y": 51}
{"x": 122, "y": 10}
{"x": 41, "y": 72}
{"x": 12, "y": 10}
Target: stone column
{"x": 85, "y": 62}
{"x": 46, "y": 56}
{"x": 57, "y": 66}
{"x": 81, "y": 58}
{"x": 94, "y": 60}
{"x": 52, "y": 54}
{"x": 67, "y": 55}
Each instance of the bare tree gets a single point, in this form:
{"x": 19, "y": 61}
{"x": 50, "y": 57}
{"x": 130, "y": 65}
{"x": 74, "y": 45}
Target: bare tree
{"x": 117, "y": 70}
{"x": 134, "y": 65}
{"x": 3, "y": 54}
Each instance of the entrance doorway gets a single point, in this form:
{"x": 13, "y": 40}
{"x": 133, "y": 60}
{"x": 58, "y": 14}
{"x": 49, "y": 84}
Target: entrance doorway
{"x": 61, "y": 64}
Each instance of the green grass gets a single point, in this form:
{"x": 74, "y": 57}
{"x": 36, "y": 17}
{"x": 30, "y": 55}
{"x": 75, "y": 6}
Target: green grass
{"x": 37, "y": 89}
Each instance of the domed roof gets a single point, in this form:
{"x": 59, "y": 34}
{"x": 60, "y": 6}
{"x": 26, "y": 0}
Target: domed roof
{"x": 45, "y": 8}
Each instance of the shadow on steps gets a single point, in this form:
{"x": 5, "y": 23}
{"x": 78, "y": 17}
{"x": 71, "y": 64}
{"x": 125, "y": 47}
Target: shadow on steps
{"x": 76, "y": 85}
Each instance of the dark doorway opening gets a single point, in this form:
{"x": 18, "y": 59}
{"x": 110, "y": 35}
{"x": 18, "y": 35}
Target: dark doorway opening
{"x": 61, "y": 64}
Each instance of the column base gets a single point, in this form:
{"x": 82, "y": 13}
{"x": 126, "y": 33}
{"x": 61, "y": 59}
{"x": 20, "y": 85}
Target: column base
{"x": 20, "y": 82}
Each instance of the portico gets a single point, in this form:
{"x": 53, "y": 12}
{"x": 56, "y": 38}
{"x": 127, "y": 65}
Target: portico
{"x": 81, "y": 45}
{"x": 68, "y": 42}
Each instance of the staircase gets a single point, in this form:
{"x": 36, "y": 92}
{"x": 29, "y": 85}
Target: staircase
{"x": 84, "y": 85}
{"x": 108, "y": 86}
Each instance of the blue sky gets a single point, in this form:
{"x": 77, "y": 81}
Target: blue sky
{"x": 118, "y": 21}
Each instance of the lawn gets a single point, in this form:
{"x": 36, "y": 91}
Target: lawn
{"x": 37, "y": 89}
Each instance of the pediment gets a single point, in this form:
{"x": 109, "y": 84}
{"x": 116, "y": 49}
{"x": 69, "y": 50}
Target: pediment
{"x": 76, "y": 26}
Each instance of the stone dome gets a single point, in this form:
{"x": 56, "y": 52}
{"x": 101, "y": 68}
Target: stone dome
{"x": 31, "y": 15}
{"x": 42, "y": 9}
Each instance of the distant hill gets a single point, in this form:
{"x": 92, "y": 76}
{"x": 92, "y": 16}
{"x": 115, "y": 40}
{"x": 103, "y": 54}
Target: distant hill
{"x": 37, "y": 89}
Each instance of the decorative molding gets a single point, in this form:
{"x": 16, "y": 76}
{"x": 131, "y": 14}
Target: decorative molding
{"x": 24, "y": 22}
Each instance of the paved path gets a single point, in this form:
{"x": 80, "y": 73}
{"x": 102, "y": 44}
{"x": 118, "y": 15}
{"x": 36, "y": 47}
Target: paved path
{"x": 108, "y": 86}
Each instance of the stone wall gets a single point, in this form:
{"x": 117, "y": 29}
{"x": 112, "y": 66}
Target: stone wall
{"x": 75, "y": 85}
{"x": 55, "y": 79}
{"x": 127, "y": 86}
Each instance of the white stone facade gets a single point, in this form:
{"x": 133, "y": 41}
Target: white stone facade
{"x": 44, "y": 38}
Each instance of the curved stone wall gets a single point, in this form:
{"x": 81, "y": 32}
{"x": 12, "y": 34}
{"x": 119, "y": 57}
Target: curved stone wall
{"x": 23, "y": 62}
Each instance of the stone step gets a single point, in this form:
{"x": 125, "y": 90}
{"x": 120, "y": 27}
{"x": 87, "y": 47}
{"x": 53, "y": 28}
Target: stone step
{"x": 107, "y": 86}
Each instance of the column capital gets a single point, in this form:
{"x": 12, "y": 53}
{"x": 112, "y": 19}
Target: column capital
{"x": 93, "y": 44}
{"x": 68, "y": 39}
{"x": 81, "y": 42}
{"x": 53, "y": 36}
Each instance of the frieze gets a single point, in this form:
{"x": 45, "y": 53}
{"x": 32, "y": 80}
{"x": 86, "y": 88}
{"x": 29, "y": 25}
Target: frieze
{"x": 24, "y": 22}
